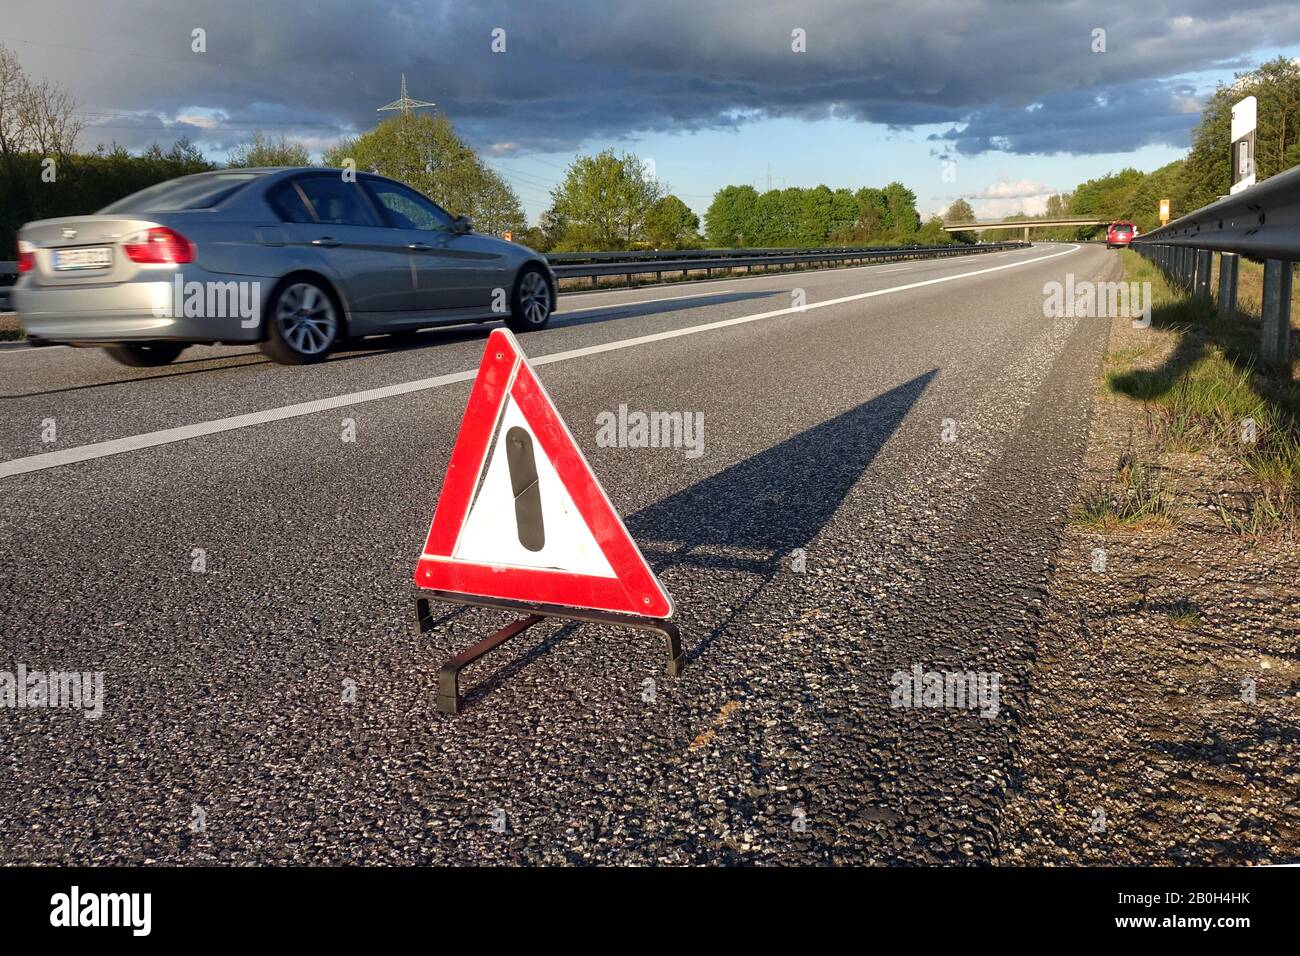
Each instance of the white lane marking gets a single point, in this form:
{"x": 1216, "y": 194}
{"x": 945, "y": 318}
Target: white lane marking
{"x": 23, "y": 349}
{"x": 118, "y": 446}
{"x": 670, "y": 298}
{"x": 903, "y": 269}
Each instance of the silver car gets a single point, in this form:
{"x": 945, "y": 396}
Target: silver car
{"x": 296, "y": 260}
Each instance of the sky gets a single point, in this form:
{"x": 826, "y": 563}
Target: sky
{"x": 1000, "y": 102}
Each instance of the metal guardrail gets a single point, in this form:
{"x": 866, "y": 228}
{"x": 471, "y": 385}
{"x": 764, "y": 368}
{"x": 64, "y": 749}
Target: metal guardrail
{"x": 582, "y": 265}
{"x": 1262, "y": 222}
{"x": 651, "y": 255}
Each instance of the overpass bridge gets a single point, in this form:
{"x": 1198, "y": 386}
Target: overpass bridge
{"x": 1026, "y": 224}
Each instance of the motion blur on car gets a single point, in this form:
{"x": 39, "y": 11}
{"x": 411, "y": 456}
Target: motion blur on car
{"x": 1120, "y": 233}
{"x": 296, "y": 260}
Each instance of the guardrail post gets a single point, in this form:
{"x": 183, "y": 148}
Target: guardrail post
{"x": 1275, "y": 314}
{"x": 1204, "y": 264}
{"x": 1228, "y": 263}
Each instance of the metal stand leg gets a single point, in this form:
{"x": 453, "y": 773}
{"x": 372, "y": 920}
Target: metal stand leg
{"x": 676, "y": 660}
{"x": 449, "y": 699}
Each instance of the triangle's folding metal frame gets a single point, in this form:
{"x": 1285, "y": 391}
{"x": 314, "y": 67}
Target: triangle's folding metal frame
{"x": 450, "y": 700}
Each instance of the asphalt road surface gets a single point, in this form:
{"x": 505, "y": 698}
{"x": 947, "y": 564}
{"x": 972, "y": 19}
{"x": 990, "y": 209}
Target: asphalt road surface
{"x": 277, "y": 706}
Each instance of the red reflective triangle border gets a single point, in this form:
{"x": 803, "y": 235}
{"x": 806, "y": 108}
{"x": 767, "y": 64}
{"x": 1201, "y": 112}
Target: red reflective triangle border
{"x": 633, "y": 590}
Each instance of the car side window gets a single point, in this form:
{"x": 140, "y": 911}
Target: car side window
{"x": 288, "y": 204}
{"x": 407, "y": 209}
{"x": 336, "y": 201}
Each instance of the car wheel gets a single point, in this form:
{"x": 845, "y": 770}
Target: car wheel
{"x": 304, "y": 324}
{"x": 145, "y": 354}
{"x": 533, "y": 301}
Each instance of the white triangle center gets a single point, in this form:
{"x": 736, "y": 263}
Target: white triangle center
{"x": 491, "y": 533}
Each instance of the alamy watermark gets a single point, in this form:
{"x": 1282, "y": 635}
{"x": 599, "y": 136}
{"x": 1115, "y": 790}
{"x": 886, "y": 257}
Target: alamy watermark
{"x": 962, "y": 690}
{"x": 1098, "y": 300}
{"x": 80, "y": 690}
{"x": 133, "y": 911}
{"x": 236, "y": 299}
{"x": 637, "y": 429}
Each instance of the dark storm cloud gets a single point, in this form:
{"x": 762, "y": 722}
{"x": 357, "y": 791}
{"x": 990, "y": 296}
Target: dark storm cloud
{"x": 574, "y": 71}
{"x": 1101, "y": 120}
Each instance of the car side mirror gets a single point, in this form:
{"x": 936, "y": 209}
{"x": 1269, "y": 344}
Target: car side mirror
{"x": 461, "y": 225}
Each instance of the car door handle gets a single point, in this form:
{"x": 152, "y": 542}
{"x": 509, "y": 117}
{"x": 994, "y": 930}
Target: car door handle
{"x": 328, "y": 241}
{"x": 418, "y": 246}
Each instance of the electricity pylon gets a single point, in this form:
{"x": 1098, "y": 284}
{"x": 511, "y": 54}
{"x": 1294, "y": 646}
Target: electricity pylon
{"x": 404, "y": 104}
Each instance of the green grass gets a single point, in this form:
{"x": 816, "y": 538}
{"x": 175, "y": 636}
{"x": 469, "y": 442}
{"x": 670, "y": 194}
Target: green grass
{"x": 1138, "y": 497}
{"x": 1210, "y": 386}
{"x": 1183, "y": 615}
{"x": 1264, "y": 514}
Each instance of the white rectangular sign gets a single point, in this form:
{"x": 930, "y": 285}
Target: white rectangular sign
{"x": 1243, "y": 144}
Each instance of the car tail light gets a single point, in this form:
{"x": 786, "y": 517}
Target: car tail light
{"x": 159, "y": 245}
{"x": 26, "y": 256}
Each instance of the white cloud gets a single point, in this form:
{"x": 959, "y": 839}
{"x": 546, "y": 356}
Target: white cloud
{"x": 1007, "y": 197}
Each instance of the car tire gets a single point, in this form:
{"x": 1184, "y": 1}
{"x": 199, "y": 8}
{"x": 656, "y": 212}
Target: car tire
{"x": 145, "y": 354}
{"x": 532, "y": 302}
{"x": 304, "y": 323}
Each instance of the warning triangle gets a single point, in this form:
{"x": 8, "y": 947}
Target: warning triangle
{"x": 521, "y": 516}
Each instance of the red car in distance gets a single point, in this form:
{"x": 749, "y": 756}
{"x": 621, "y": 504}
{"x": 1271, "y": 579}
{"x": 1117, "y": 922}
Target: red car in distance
{"x": 1120, "y": 233}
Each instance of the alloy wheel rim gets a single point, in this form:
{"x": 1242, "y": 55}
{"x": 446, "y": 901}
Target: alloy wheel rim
{"x": 534, "y": 298}
{"x": 306, "y": 318}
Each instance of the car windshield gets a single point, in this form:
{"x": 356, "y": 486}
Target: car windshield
{"x": 189, "y": 192}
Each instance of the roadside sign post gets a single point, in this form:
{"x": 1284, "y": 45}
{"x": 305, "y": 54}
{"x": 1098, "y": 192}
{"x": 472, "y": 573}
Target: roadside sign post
{"x": 1243, "y": 145}
{"x": 522, "y": 525}
{"x": 1164, "y": 212}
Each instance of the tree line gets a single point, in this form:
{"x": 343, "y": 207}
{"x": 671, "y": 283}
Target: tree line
{"x": 610, "y": 201}
{"x": 741, "y": 216}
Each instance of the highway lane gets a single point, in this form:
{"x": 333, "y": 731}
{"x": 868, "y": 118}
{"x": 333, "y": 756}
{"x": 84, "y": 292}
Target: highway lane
{"x": 229, "y": 690}
{"x": 95, "y": 399}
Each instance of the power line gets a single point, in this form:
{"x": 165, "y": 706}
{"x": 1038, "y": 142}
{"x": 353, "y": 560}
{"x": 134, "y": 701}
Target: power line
{"x": 531, "y": 180}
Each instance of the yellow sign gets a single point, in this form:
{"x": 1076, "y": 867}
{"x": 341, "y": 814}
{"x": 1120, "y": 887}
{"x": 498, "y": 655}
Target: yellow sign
{"x": 508, "y": 236}
{"x": 1164, "y": 211}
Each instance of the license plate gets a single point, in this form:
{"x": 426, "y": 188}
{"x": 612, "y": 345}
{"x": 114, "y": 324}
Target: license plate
{"x": 100, "y": 257}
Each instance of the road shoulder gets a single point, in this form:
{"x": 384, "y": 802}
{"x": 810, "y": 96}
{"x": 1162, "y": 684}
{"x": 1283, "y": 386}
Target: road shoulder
{"x": 1164, "y": 702}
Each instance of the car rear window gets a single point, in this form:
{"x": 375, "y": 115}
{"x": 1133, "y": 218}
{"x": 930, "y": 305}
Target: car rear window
{"x": 288, "y": 204}
{"x": 337, "y": 201}
{"x": 188, "y": 192}
{"x": 1122, "y": 228}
